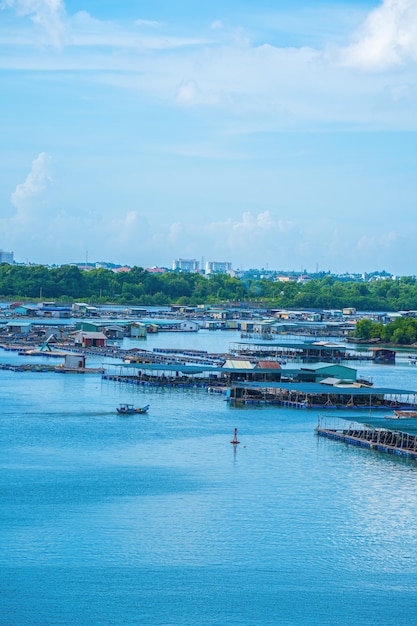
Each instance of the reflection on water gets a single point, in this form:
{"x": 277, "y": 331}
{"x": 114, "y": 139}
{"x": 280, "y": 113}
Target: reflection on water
{"x": 158, "y": 519}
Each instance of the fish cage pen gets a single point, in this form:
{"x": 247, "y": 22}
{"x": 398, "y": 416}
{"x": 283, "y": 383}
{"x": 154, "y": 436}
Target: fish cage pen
{"x": 367, "y": 436}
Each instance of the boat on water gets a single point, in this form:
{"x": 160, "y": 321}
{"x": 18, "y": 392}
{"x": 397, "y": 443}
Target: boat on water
{"x": 130, "y": 409}
{"x": 403, "y": 415}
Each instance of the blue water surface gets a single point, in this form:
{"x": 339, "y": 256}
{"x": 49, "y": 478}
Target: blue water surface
{"x": 159, "y": 520}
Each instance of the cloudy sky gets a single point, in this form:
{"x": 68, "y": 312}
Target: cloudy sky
{"x": 270, "y": 134}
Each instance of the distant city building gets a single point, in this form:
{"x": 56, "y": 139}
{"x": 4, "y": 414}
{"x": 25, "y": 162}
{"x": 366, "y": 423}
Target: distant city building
{"x": 6, "y": 257}
{"x": 284, "y": 279}
{"x": 304, "y": 279}
{"x": 156, "y": 270}
{"x": 186, "y": 265}
{"x": 85, "y": 268}
{"x": 218, "y": 267}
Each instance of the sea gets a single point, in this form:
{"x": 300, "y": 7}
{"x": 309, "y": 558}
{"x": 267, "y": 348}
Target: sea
{"x": 156, "y": 519}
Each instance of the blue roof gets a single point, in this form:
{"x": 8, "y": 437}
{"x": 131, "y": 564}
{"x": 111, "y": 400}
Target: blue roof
{"x": 301, "y": 345}
{"x": 319, "y": 388}
{"x": 323, "y": 365}
{"x": 192, "y": 369}
{"x": 55, "y": 308}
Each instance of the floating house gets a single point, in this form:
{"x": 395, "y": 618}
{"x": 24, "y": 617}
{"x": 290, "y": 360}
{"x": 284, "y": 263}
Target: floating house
{"x": 19, "y": 328}
{"x": 138, "y": 330}
{"x": 74, "y": 361}
{"x": 321, "y": 395}
{"x": 90, "y": 339}
{"x": 114, "y": 332}
{"x": 89, "y": 327}
{"x": 172, "y": 325}
{"x": 83, "y": 309}
{"x": 238, "y": 371}
{"x": 383, "y": 355}
{"x": 49, "y": 309}
{"x": 319, "y": 385}
{"x": 24, "y": 310}
{"x": 320, "y": 372}
{"x": 311, "y": 351}
{"x": 304, "y": 350}
{"x": 76, "y": 364}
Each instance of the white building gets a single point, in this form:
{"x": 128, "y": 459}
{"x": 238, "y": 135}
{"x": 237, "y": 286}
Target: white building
{"x": 6, "y": 257}
{"x": 186, "y": 265}
{"x": 218, "y": 267}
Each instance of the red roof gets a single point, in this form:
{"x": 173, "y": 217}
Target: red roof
{"x": 268, "y": 365}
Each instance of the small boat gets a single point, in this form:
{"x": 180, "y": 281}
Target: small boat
{"x": 129, "y": 409}
{"x": 364, "y": 382}
{"x": 403, "y": 415}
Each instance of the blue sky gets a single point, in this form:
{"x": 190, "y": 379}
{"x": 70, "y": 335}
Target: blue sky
{"x": 269, "y": 134}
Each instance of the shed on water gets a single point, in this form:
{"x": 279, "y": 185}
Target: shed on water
{"x": 74, "y": 361}
{"x": 316, "y": 372}
{"x": 86, "y": 339}
{"x": 383, "y": 355}
{"x": 19, "y": 327}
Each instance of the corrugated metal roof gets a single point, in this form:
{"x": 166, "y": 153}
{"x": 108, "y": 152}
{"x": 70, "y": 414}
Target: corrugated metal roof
{"x": 192, "y": 369}
{"x": 318, "y": 388}
{"x": 90, "y": 335}
{"x": 269, "y": 365}
{"x": 164, "y": 367}
{"x": 380, "y": 349}
{"x": 238, "y": 365}
{"x": 293, "y": 345}
{"x": 328, "y": 366}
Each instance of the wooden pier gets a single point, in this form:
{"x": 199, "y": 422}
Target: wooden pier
{"x": 380, "y": 439}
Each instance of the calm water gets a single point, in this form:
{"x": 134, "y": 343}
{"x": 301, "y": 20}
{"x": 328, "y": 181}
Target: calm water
{"x": 155, "y": 519}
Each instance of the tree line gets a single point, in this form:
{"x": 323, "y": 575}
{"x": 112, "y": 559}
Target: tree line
{"x": 402, "y": 331}
{"x": 140, "y": 287}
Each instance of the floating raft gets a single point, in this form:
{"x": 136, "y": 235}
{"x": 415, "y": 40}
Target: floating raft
{"x": 381, "y": 439}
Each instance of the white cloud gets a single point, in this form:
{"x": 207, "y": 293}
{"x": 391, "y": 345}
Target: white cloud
{"x": 50, "y": 15}
{"x": 81, "y": 29}
{"x": 36, "y": 182}
{"x": 33, "y": 215}
{"x": 251, "y": 236}
{"x": 257, "y": 239}
{"x": 263, "y": 87}
{"x": 190, "y": 94}
{"x": 387, "y": 38}
{"x": 222, "y": 101}
{"x": 42, "y": 231}
{"x": 125, "y": 230}
{"x": 148, "y": 23}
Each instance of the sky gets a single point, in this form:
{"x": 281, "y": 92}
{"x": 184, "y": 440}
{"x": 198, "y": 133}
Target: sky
{"x": 269, "y": 134}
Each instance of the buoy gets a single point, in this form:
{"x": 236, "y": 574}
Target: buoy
{"x": 234, "y": 440}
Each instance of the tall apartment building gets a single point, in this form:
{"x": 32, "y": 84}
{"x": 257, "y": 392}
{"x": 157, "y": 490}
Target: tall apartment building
{"x": 218, "y": 267}
{"x": 6, "y": 257}
{"x": 186, "y": 265}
